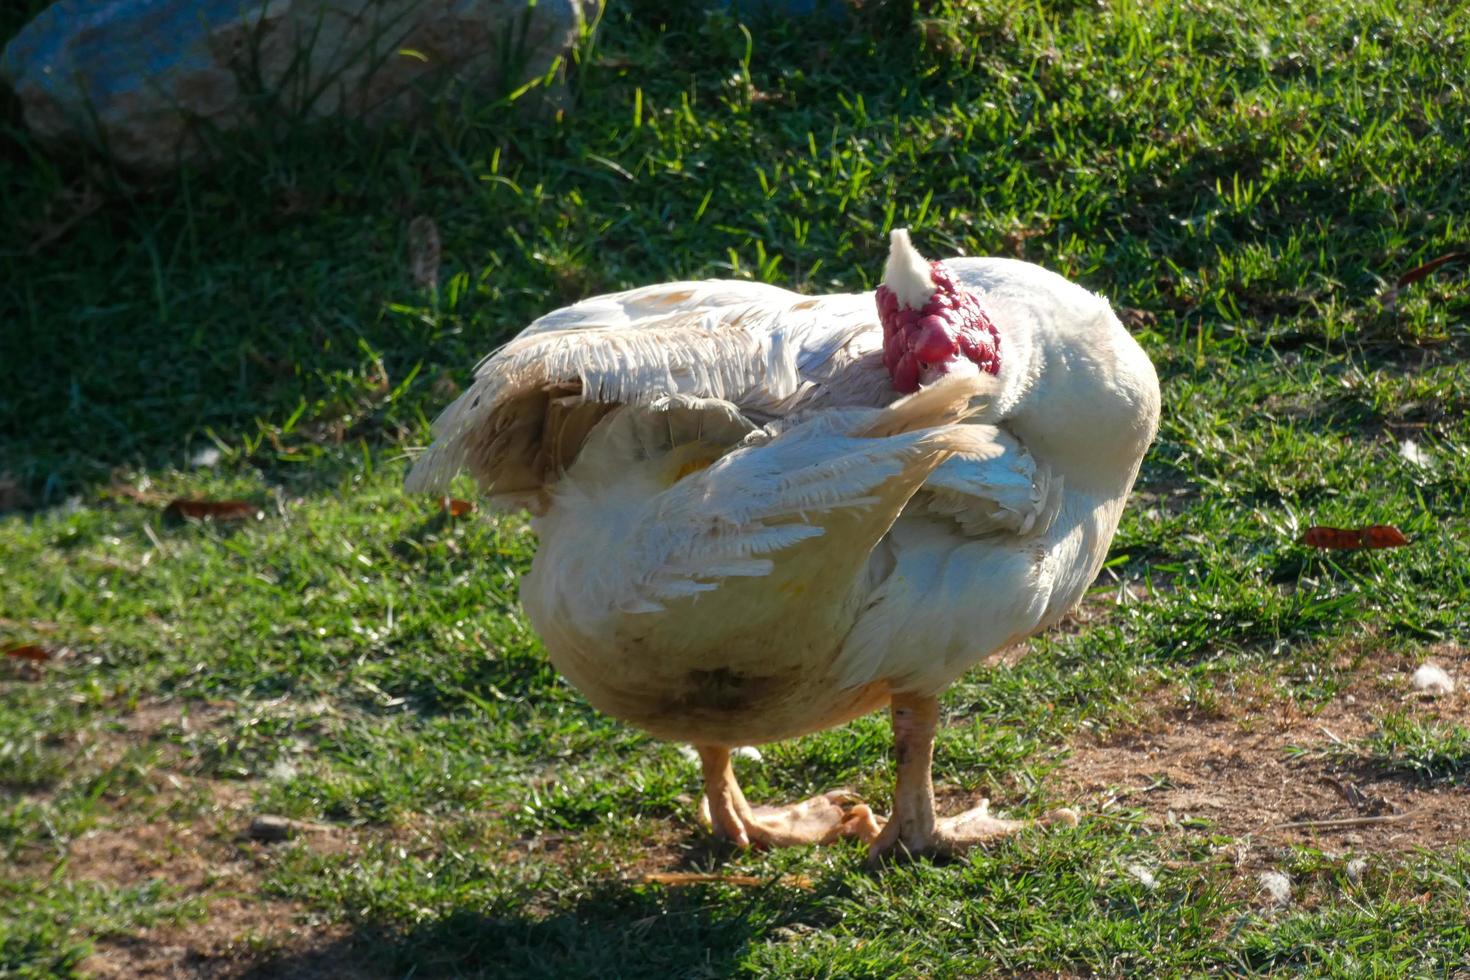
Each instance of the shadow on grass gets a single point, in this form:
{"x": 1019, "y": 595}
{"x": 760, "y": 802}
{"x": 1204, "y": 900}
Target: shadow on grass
{"x": 617, "y": 930}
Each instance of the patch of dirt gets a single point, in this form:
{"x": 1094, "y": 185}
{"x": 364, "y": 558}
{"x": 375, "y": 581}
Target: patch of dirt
{"x": 205, "y": 859}
{"x": 189, "y": 833}
{"x": 1255, "y": 766}
{"x": 236, "y": 938}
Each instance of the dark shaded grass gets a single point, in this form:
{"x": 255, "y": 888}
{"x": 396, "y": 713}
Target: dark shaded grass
{"x": 280, "y": 275}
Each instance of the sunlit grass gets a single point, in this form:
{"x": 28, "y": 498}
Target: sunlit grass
{"x": 1242, "y": 181}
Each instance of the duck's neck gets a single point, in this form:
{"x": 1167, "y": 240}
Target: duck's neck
{"x": 1086, "y": 403}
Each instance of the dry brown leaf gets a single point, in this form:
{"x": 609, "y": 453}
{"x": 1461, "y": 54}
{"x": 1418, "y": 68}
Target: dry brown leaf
{"x": 1390, "y": 296}
{"x": 455, "y": 507}
{"x": 1136, "y": 319}
{"x": 677, "y": 878}
{"x": 1420, "y": 271}
{"x": 1346, "y": 539}
{"x": 31, "y": 652}
{"x": 211, "y": 510}
{"x": 423, "y": 251}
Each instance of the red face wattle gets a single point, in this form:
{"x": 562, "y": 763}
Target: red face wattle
{"x": 950, "y": 326}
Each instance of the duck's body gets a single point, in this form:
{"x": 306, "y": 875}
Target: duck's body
{"x": 748, "y": 531}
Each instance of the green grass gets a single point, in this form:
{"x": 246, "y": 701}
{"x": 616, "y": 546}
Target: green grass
{"x": 1425, "y": 749}
{"x": 1244, "y": 179}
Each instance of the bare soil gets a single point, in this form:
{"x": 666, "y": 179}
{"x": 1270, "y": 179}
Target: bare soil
{"x": 1249, "y": 765}
{"x": 190, "y": 833}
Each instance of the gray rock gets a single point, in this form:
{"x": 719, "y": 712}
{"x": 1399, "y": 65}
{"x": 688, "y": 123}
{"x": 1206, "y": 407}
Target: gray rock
{"x": 141, "y": 78}
{"x": 269, "y": 827}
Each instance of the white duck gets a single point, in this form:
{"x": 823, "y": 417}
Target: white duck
{"x": 763, "y": 514}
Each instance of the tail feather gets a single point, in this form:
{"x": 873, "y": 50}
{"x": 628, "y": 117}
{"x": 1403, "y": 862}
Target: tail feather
{"x": 945, "y": 402}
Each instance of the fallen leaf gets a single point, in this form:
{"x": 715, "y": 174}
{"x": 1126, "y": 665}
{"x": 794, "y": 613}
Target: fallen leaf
{"x": 1346, "y": 539}
{"x": 455, "y": 507}
{"x": 210, "y": 510}
{"x": 1136, "y": 319}
{"x": 676, "y": 878}
{"x": 1420, "y": 271}
{"x": 31, "y": 652}
{"x": 1382, "y": 536}
{"x": 1390, "y": 296}
{"x": 1331, "y": 537}
{"x": 423, "y": 251}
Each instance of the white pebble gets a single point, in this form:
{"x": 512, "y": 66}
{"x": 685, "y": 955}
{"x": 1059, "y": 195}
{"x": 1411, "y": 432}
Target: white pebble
{"x": 1432, "y": 679}
{"x": 1276, "y": 886}
{"x": 283, "y": 769}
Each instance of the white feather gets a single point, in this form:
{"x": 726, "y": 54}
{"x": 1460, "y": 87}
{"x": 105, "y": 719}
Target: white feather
{"x": 727, "y": 486}
{"x": 907, "y": 272}
{"x": 759, "y": 347}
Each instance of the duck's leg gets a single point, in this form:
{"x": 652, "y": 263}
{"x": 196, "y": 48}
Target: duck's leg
{"x": 819, "y": 820}
{"x": 914, "y": 829}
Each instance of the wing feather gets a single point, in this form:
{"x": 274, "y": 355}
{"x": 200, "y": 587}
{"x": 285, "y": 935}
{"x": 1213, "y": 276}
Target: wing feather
{"x": 761, "y": 348}
{"x": 771, "y": 494}
{"x": 1007, "y": 491}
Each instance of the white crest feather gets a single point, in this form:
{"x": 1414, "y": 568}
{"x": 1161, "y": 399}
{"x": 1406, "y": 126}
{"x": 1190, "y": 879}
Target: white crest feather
{"x": 907, "y": 272}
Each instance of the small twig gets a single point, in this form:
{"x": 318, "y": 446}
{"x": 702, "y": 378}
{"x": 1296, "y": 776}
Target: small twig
{"x": 676, "y": 878}
{"x": 269, "y": 827}
{"x": 1350, "y": 793}
{"x": 157, "y": 543}
{"x": 1347, "y": 821}
{"x": 1328, "y": 732}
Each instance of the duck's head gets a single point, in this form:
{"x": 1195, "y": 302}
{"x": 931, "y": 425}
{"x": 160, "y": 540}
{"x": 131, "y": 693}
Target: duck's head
{"x": 932, "y": 326}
